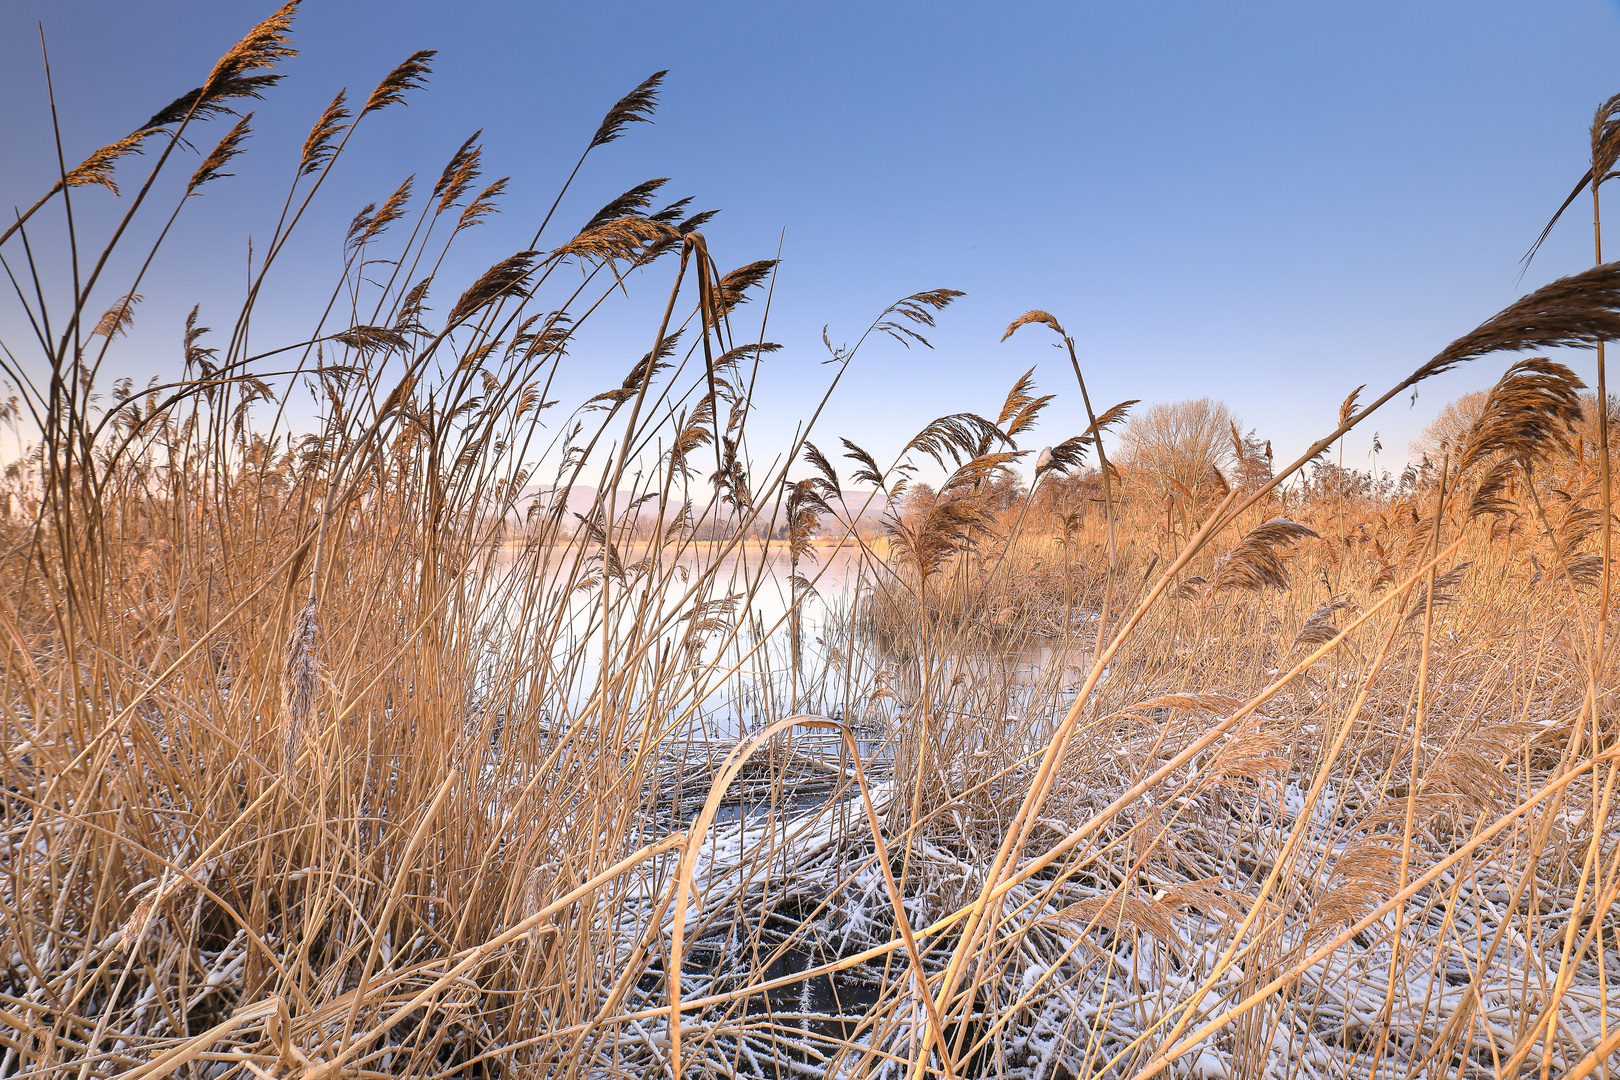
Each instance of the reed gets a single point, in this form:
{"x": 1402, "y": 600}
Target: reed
{"x": 466, "y": 732}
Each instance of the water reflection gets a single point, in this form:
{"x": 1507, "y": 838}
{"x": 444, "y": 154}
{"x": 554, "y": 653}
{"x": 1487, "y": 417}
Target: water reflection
{"x": 745, "y": 670}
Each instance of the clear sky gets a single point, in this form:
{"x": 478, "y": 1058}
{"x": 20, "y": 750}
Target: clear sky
{"x": 1267, "y": 203}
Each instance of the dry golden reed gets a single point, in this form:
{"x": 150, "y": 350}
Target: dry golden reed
{"x": 585, "y": 757}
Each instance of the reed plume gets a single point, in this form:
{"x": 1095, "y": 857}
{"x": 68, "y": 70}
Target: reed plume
{"x": 1319, "y": 628}
{"x": 262, "y": 47}
{"x": 318, "y": 144}
{"x": 220, "y": 156}
{"x": 636, "y": 107}
{"x": 631, "y": 203}
{"x": 1348, "y": 408}
{"x": 483, "y": 205}
{"x": 1577, "y": 311}
{"x": 929, "y": 542}
{"x": 1256, "y": 562}
{"x": 505, "y": 278}
{"x": 869, "y": 471}
{"x": 1066, "y": 456}
{"x": 917, "y": 309}
{"x": 1020, "y": 410}
{"x": 623, "y": 239}
{"x": 464, "y": 167}
{"x": 1034, "y": 316}
{"x": 816, "y": 458}
{"x": 732, "y": 289}
{"x": 98, "y": 167}
{"x": 1489, "y": 496}
{"x": 391, "y": 210}
{"x": 1439, "y": 597}
{"x": 1533, "y": 409}
{"x": 410, "y": 75}
{"x": 119, "y": 318}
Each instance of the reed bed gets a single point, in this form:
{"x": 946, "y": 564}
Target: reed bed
{"x": 461, "y": 732}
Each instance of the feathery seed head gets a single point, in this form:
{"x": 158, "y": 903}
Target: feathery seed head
{"x": 459, "y": 173}
{"x": 1066, "y": 455}
{"x": 118, "y": 318}
{"x": 1605, "y": 138}
{"x": 1348, "y": 408}
{"x": 1036, "y": 316}
{"x": 228, "y": 147}
{"x": 1255, "y": 563}
{"x": 504, "y": 278}
{"x": 733, "y": 288}
{"x": 263, "y": 46}
{"x": 318, "y": 148}
{"x": 635, "y": 107}
{"x": 410, "y": 75}
{"x": 819, "y": 460}
{"x": 392, "y": 209}
{"x": 633, "y": 201}
{"x": 1577, "y": 311}
{"x": 1533, "y": 409}
{"x": 98, "y": 167}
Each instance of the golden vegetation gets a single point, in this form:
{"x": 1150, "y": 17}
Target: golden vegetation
{"x": 308, "y": 770}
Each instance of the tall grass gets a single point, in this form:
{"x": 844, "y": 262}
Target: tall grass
{"x": 458, "y": 732}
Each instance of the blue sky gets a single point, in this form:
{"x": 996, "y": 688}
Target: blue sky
{"x": 1268, "y": 203}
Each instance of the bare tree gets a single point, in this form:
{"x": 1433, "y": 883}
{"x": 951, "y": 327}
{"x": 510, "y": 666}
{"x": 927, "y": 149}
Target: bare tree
{"x": 1176, "y": 446}
{"x": 1447, "y": 432}
{"x": 1569, "y": 465}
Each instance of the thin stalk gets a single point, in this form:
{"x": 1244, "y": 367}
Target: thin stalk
{"x": 1600, "y": 637}
{"x": 1108, "y": 495}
